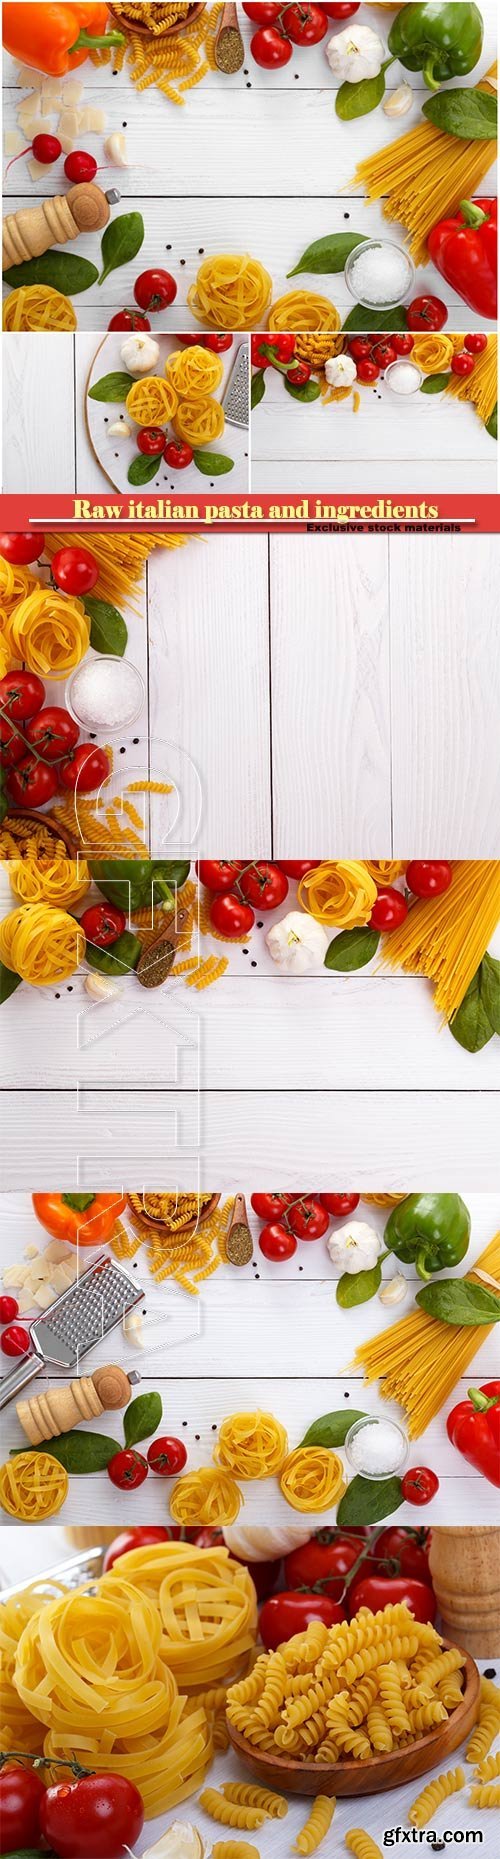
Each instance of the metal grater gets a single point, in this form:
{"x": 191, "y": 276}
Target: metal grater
{"x": 235, "y": 400}
{"x": 77, "y": 1320}
{"x": 72, "y": 1573}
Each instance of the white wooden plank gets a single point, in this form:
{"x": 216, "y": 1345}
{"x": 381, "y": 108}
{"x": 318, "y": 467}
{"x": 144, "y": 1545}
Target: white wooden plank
{"x": 89, "y": 476}
{"x": 424, "y": 429}
{"x": 331, "y": 702}
{"x": 39, "y": 381}
{"x": 445, "y": 655}
{"x": 424, "y": 478}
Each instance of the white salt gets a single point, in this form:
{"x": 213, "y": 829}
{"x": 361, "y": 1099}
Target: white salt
{"x": 106, "y": 693}
{"x": 379, "y": 274}
{"x": 377, "y": 1449}
{"x": 403, "y": 377}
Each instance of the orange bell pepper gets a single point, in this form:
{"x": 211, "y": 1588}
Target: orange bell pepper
{"x": 80, "y": 1219}
{"x": 55, "y": 39}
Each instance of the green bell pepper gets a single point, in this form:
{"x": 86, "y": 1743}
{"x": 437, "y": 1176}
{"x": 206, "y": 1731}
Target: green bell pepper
{"x": 441, "y": 41}
{"x": 132, "y": 884}
{"x": 119, "y": 959}
{"x": 431, "y": 1231}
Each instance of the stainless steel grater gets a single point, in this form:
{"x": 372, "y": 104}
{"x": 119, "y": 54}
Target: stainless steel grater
{"x": 236, "y": 398}
{"x": 72, "y": 1573}
{"x": 88, "y": 1310}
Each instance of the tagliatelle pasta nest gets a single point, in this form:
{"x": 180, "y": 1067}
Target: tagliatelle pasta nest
{"x": 195, "y": 373}
{"x": 251, "y": 1445}
{"x": 386, "y": 870}
{"x": 199, "y": 421}
{"x": 152, "y": 401}
{"x": 312, "y": 1478}
{"x": 41, "y": 945}
{"x": 230, "y": 292}
{"x": 341, "y": 893}
{"x": 38, "y": 306}
{"x": 303, "y": 310}
{"x": 48, "y": 631}
{"x": 33, "y": 1486}
{"x": 205, "y": 1496}
{"x": 206, "y": 1604}
{"x": 60, "y": 881}
{"x": 433, "y": 353}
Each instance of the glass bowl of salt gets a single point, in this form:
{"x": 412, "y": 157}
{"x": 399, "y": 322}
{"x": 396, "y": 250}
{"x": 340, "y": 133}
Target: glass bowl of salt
{"x": 105, "y": 693}
{"x": 376, "y": 1449}
{"x": 379, "y": 274}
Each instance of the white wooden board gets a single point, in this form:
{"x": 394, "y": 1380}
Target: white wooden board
{"x": 115, "y": 455}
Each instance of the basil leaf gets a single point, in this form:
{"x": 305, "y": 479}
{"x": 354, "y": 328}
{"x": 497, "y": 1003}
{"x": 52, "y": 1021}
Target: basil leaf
{"x": 471, "y": 1025}
{"x": 143, "y": 469}
{"x": 212, "y": 464}
{"x": 121, "y": 242}
{"x": 79, "y": 1202}
{"x": 328, "y": 254}
{"x": 108, "y": 632}
{"x": 358, "y": 1287}
{"x": 331, "y": 1429}
{"x": 490, "y": 990}
{"x": 352, "y": 949}
{"x": 358, "y": 99}
{"x": 469, "y": 114}
{"x": 111, "y": 387}
{"x": 8, "y": 983}
{"x": 258, "y": 388}
{"x": 142, "y": 1418}
{"x": 79, "y": 1453}
{"x": 64, "y": 271}
{"x": 363, "y": 321}
{"x": 492, "y": 425}
{"x": 457, "y": 1300}
{"x": 367, "y": 1500}
{"x": 435, "y": 383}
{"x": 310, "y": 390}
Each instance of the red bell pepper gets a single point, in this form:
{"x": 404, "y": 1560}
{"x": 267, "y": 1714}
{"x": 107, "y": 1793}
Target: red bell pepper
{"x": 464, "y": 250}
{"x": 474, "y": 1428}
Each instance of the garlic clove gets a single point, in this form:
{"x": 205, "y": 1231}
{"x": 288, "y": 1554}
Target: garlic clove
{"x": 133, "y": 1325}
{"x": 115, "y": 148}
{"x": 120, "y": 430}
{"x": 398, "y": 102}
{"x": 180, "y": 1841}
{"x": 101, "y": 987}
{"x": 394, "y": 1291}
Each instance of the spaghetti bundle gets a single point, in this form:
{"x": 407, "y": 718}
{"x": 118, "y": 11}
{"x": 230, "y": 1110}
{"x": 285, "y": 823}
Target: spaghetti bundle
{"x": 60, "y": 881}
{"x": 195, "y": 373}
{"x": 480, "y": 387}
{"x": 230, "y": 292}
{"x": 445, "y": 938}
{"x": 38, "y": 306}
{"x": 251, "y": 1445}
{"x": 120, "y": 558}
{"x": 49, "y": 631}
{"x": 199, "y": 421}
{"x": 423, "y": 176}
{"x": 41, "y": 945}
{"x": 305, "y": 311}
{"x": 151, "y": 401}
{"x": 419, "y": 1360}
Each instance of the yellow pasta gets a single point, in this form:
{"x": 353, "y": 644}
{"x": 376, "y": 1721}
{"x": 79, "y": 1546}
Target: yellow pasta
{"x": 312, "y": 1478}
{"x": 49, "y": 631}
{"x": 18, "y": 1728}
{"x": 361, "y": 1844}
{"x": 432, "y": 1797}
{"x": 340, "y": 893}
{"x": 248, "y": 1794}
{"x": 62, "y": 881}
{"x": 305, "y": 311}
{"x": 423, "y": 176}
{"x": 41, "y": 944}
{"x": 251, "y": 1445}
{"x": 205, "y": 1496}
{"x": 33, "y": 1486}
{"x": 419, "y": 1360}
{"x": 386, "y": 870}
{"x": 481, "y": 387}
{"x": 152, "y": 401}
{"x": 318, "y": 347}
{"x": 234, "y": 1849}
{"x": 230, "y": 1813}
{"x": 120, "y": 557}
{"x": 21, "y": 839}
{"x": 489, "y": 1770}
{"x": 15, "y": 582}
{"x": 484, "y": 1796}
{"x": 316, "y": 1826}
{"x": 195, "y": 373}
{"x": 199, "y": 422}
{"x": 433, "y": 353}
{"x": 231, "y": 292}
{"x": 206, "y": 1605}
{"x": 154, "y": 55}
{"x": 445, "y": 938}
{"x": 38, "y": 306}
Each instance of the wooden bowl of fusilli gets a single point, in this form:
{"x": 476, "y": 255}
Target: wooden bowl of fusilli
{"x": 372, "y": 1774}
{"x": 178, "y": 1223}
{"x": 126, "y": 22}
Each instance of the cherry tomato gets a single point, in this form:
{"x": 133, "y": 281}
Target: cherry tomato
{"x": 427, "y": 313}
{"x": 98, "y": 1817}
{"x": 367, "y": 372}
{"x": 290, "y": 1612}
{"x": 21, "y": 695}
{"x": 9, "y": 1308}
{"x": 309, "y": 1219}
{"x": 178, "y": 454}
{"x": 390, "y": 909}
{"x": 327, "y": 1559}
{"x": 12, "y": 744}
{"x": 127, "y": 1469}
{"x": 476, "y": 344}
{"x": 151, "y": 441}
{"x": 299, "y": 373}
{"x": 53, "y": 732}
{"x": 218, "y": 343}
{"x": 46, "y": 149}
{"x": 21, "y": 546}
{"x": 79, "y": 166}
{"x": 103, "y": 924}
{"x": 167, "y": 1456}
{"x": 340, "y": 1204}
{"x": 463, "y": 365}
{"x": 32, "y": 783}
{"x": 384, "y": 353}
{"x": 15, "y": 1340}
{"x": 74, "y": 571}
{"x": 270, "y": 48}
{"x": 407, "y": 1550}
{"x": 21, "y": 1796}
{"x": 306, "y": 25}
{"x": 85, "y": 769}
{"x": 270, "y": 1206}
{"x": 419, "y": 1485}
{"x": 218, "y": 874}
{"x": 137, "y": 1539}
{"x": 429, "y": 877}
{"x": 343, "y": 11}
{"x": 129, "y": 319}
{"x": 402, "y": 344}
{"x": 375, "y": 1591}
{"x": 264, "y": 885}
{"x": 263, "y": 14}
{"x": 360, "y": 348}
{"x": 297, "y": 868}
{"x": 154, "y": 290}
{"x": 277, "y": 1243}
{"x": 233, "y": 918}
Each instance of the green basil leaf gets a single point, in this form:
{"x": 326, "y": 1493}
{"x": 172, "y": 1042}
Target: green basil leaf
{"x": 142, "y": 1418}
{"x": 108, "y": 632}
{"x": 79, "y": 1453}
{"x": 258, "y": 388}
{"x": 331, "y": 1429}
{"x": 328, "y": 254}
{"x": 143, "y": 469}
{"x": 358, "y": 1287}
{"x": 310, "y": 390}
{"x": 490, "y": 990}
{"x": 352, "y": 949}
{"x": 212, "y": 464}
{"x": 79, "y": 1202}
{"x": 471, "y": 1025}
{"x": 112, "y": 387}
{"x": 469, "y": 114}
{"x": 363, "y": 321}
{"x": 457, "y": 1300}
{"x": 8, "y": 983}
{"x": 492, "y": 425}
{"x": 359, "y": 99}
{"x": 435, "y": 383}
{"x": 121, "y": 242}
{"x": 64, "y": 271}
{"x": 368, "y": 1501}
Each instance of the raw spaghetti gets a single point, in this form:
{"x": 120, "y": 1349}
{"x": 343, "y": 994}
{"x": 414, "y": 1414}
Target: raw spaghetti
{"x": 33, "y": 1486}
{"x": 423, "y": 175}
{"x": 481, "y": 387}
{"x": 305, "y": 311}
{"x": 199, "y": 421}
{"x": 230, "y": 292}
{"x": 445, "y": 938}
{"x": 37, "y": 306}
{"x": 195, "y": 373}
{"x": 419, "y": 1360}
{"x": 41, "y": 945}
{"x": 49, "y": 631}
{"x": 120, "y": 558}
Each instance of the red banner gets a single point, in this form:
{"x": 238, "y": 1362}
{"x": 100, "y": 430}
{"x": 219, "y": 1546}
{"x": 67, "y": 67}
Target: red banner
{"x": 312, "y": 514}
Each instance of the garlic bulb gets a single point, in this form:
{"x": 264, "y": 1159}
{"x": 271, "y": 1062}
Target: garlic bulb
{"x": 398, "y": 102}
{"x": 262, "y": 1545}
{"x": 120, "y": 430}
{"x": 115, "y": 148}
{"x": 140, "y": 354}
{"x": 394, "y": 1291}
{"x": 340, "y": 371}
{"x": 101, "y": 987}
{"x": 180, "y": 1841}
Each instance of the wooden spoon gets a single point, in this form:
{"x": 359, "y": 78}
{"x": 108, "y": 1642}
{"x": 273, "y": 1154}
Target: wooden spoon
{"x": 239, "y": 1245}
{"x": 229, "y": 50}
{"x": 158, "y": 957}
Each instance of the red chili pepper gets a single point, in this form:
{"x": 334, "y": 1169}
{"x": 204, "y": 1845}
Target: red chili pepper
{"x": 464, "y": 250}
{"x": 474, "y": 1428}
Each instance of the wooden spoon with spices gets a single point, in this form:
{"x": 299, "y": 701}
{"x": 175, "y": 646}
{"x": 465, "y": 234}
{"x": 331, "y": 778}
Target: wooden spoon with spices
{"x": 157, "y": 959}
{"x": 229, "y": 50}
{"x": 238, "y": 1241}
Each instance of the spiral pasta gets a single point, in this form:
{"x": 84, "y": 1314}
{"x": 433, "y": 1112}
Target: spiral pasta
{"x": 234, "y": 1849}
{"x": 431, "y": 1797}
{"x": 316, "y": 1826}
{"x": 304, "y": 311}
{"x": 152, "y": 401}
{"x": 340, "y": 893}
{"x": 206, "y": 1604}
{"x": 205, "y": 1496}
{"x": 199, "y": 421}
{"x": 489, "y": 1770}
{"x": 392, "y": 1699}
{"x": 248, "y": 1794}
{"x": 195, "y": 373}
{"x": 49, "y": 631}
{"x": 312, "y": 1478}
{"x": 33, "y": 1486}
{"x": 361, "y": 1844}
{"x": 41, "y": 945}
{"x": 38, "y": 306}
{"x": 484, "y": 1796}
{"x": 251, "y": 1445}
{"x": 230, "y": 292}
{"x": 231, "y": 1813}
{"x": 61, "y": 881}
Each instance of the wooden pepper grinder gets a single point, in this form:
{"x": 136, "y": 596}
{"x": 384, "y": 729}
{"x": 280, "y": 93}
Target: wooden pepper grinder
{"x": 59, "y": 1409}
{"x": 465, "y": 1568}
{"x": 32, "y": 230}
{"x": 239, "y": 1245}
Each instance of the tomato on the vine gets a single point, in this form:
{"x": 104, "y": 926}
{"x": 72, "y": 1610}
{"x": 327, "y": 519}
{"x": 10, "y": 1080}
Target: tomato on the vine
{"x": 360, "y": 348}
{"x": 408, "y": 1550}
{"x": 308, "y": 1219}
{"x": 53, "y": 732}
{"x": 12, "y": 744}
{"x": 376, "y": 1591}
{"x": 384, "y": 352}
{"x": 340, "y": 1204}
{"x": 218, "y": 874}
{"x": 261, "y": 13}
{"x": 97, "y": 1817}
{"x": 277, "y": 1243}
{"x": 129, "y": 319}
{"x": 102, "y": 924}
{"x": 32, "y": 783}
{"x": 167, "y": 1456}
{"x": 218, "y": 343}
{"x": 429, "y": 877}
{"x": 326, "y": 1559}
{"x": 403, "y": 344}
{"x": 342, "y": 11}
{"x": 155, "y": 290}
{"x": 306, "y": 24}
{"x": 21, "y": 695}
{"x": 127, "y": 1469}
{"x": 178, "y": 454}
{"x": 151, "y": 441}
{"x": 263, "y": 885}
{"x": 297, "y": 868}
{"x": 21, "y": 1796}
{"x": 419, "y": 1485}
{"x": 270, "y": 1206}
{"x": 85, "y": 769}
{"x": 291, "y": 1612}
{"x": 476, "y": 344}
{"x": 427, "y": 313}
{"x": 231, "y": 916}
{"x": 270, "y": 48}
{"x": 139, "y": 1538}
{"x": 21, "y": 546}
{"x": 390, "y": 909}
{"x": 367, "y": 372}
{"x": 74, "y": 570}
